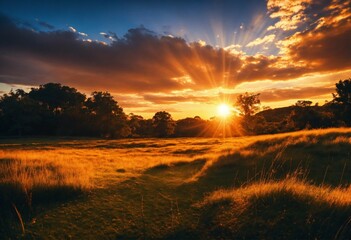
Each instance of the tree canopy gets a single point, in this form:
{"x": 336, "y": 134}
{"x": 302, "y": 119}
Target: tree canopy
{"x": 248, "y": 103}
{"x": 343, "y": 92}
{"x": 163, "y": 124}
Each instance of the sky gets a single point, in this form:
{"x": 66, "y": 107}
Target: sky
{"x": 184, "y": 57}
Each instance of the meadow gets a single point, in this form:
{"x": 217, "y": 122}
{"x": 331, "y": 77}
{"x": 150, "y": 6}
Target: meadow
{"x": 283, "y": 186}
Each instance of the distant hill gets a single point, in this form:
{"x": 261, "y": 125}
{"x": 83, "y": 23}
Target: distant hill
{"x": 276, "y": 114}
{"x": 279, "y": 114}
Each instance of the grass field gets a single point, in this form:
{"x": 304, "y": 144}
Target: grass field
{"x": 284, "y": 186}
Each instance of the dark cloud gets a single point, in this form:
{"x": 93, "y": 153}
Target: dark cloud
{"x": 46, "y": 25}
{"x": 274, "y": 68}
{"x": 272, "y": 95}
{"x": 324, "y": 49}
{"x": 275, "y": 94}
{"x": 110, "y": 36}
{"x": 145, "y": 62}
{"x": 141, "y": 60}
{"x": 324, "y": 44}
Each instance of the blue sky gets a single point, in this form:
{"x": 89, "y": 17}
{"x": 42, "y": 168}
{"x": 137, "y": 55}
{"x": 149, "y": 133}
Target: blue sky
{"x": 193, "y": 20}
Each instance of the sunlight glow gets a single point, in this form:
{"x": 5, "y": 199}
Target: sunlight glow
{"x": 223, "y": 110}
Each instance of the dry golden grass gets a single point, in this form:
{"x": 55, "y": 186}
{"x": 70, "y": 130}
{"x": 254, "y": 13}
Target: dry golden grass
{"x": 29, "y": 169}
{"x": 114, "y": 205}
{"x": 95, "y": 163}
{"x": 301, "y": 189}
{"x": 85, "y": 164}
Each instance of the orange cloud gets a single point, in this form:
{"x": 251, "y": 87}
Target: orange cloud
{"x": 259, "y": 41}
{"x": 272, "y": 95}
{"x": 291, "y": 13}
{"x": 326, "y": 45}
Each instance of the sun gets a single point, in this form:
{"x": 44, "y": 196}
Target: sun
{"x": 223, "y": 110}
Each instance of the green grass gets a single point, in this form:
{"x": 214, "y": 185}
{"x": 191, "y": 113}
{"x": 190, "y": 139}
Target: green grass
{"x": 284, "y": 186}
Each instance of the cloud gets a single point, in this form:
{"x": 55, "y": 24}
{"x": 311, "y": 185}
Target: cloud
{"x": 234, "y": 49}
{"x": 266, "y": 39}
{"x": 202, "y": 43}
{"x": 141, "y": 60}
{"x": 145, "y": 63}
{"x": 325, "y": 45}
{"x": 272, "y": 95}
{"x": 105, "y": 35}
{"x": 110, "y": 36}
{"x": 72, "y": 29}
{"x": 46, "y": 25}
{"x": 291, "y": 13}
{"x": 83, "y": 34}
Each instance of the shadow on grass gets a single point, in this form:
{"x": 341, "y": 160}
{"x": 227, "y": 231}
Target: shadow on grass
{"x": 321, "y": 160}
{"x": 185, "y": 167}
{"x": 191, "y": 152}
{"x": 18, "y": 205}
{"x": 40, "y": 195}
{"x": 279, "y": 215}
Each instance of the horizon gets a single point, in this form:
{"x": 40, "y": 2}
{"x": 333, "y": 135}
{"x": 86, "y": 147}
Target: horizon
{"x": 183, "y": 58}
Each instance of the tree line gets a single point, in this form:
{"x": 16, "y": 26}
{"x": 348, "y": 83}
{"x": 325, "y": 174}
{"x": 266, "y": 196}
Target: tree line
{"x": 56, "y": 110}
{"x": 302, "y": 115}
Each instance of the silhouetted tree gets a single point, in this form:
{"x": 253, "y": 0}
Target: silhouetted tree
{"x": 146, "y": 128}
{"x": 191, "y": 127}
{"x": 53, "y": 109}
{"x": 57, "y": 97}
{"x": 343, "y": 92}
{"x": 342, "y": 101}
{"x": 309, "y": 117}
{"x": 248, "y": 104}
{"x": 106, "y": 116}
{"x": 135, "y": 124}
{"x": 303, "y": 103}
{"x": 163, "y": 124}
{"x": 74, "y": 120}
{"x": 64, "y": 105}
{"x": 19, "y": 114}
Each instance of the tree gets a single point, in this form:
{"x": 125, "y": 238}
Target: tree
{"x": 19, "y": 114}
{"x": 56, "y": 97}
{"x": 342, "y": 101}
{"x": 64, "y": 106}
{"x": 146, "y": 128}
{"x": 135, "y": 124}
{"x": 303, "y": 103}
{"x": 343, "y": 92}
{"x": 163, "y": 124}
{"x": 248, "y": 104}
{"x": 190, "y": 127}
{"x": 106, "y": 115}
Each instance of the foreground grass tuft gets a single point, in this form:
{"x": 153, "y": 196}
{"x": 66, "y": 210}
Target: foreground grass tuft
{"x": 338, "y": 197}
{"x": 287, "y": 209}
{"x": 32, "y": 179}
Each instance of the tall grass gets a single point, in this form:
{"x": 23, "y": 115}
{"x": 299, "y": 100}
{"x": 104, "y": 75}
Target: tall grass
{"x": 339, "y": 196}
{"x": 285, "y": 209}
{"x": 43, "y": 169}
